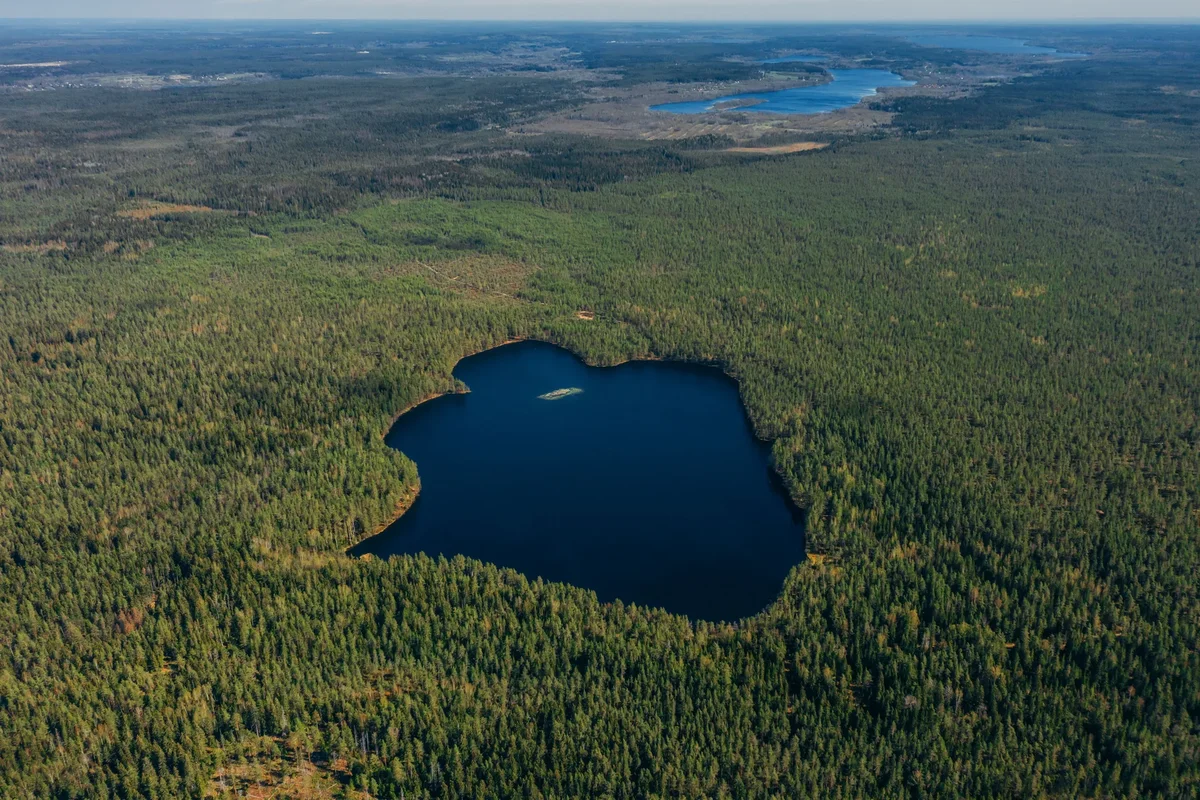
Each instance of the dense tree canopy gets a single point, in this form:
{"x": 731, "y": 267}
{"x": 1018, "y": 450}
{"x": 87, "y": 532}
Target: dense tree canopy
{"x": 972, "y": 338}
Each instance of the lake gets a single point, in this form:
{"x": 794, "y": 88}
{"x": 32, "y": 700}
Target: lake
{"x": 848, "y": 87}
{"x": 645, "y": 485}
{"x": 988, "y": 44}
{"x": 793, "y": 59}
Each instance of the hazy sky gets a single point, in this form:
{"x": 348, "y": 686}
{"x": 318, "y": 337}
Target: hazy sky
{"x": 666, "y": 10}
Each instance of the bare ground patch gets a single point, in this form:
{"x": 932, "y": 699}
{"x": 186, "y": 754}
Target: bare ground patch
{"x": 781, "y": 149}
{"x": 40, "y": 248}
{"x": 269, "y": 775}
{"x": 150, "y": 209}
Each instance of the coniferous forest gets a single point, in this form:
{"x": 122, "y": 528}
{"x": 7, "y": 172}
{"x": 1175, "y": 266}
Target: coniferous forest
{"x": 971, "y": 333}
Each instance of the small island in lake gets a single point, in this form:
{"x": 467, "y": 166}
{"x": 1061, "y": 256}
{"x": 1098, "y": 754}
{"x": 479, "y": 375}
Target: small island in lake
{"x": 559, "y": 394}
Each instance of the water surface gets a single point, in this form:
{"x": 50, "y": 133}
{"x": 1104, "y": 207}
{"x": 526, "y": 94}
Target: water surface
{"x": 988, "y": 44}
{"x": 647, "y": 485}
{"x": 792, "y": 59}
{"x": 848, "y": 87}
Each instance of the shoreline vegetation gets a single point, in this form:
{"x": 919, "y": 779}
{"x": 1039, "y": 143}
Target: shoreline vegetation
{"x": 460, "y": 389}
{"x": 734, "y": 105}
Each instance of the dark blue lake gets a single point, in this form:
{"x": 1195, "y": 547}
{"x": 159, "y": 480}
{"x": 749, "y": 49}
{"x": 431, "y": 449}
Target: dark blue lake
{"x": 988, "y": 44}
{"x": 648, "y": 485}
{"x": 848, "y": 87}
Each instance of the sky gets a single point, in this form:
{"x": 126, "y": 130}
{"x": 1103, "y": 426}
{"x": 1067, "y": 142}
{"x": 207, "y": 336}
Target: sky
{"x": 609, "y": 10}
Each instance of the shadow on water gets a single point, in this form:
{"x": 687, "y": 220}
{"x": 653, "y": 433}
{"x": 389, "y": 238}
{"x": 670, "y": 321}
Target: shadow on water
{"x": 647, "y": 485}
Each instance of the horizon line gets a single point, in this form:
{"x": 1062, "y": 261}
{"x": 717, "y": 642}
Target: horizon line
{"x": 676, "y": 23}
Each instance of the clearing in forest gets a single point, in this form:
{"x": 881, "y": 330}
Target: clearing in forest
{"x": 781, "y": 149}
{"x": 152, "y": 208}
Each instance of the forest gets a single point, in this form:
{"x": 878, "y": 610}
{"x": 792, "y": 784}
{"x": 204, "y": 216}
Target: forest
{"x": 970, "y": 335}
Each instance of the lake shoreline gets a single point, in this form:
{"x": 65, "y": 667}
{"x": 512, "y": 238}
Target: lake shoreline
{"x": 436, "y": 395}
{"x": 411, "y": 497}
{"x": 845, "y": 89}
{"x": 407, "y": 502}
{"x": 741, "y": 521}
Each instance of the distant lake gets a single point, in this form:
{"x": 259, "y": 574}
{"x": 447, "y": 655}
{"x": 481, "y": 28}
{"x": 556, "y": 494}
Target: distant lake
{"x": 792, "y": 59}
{"x": 646, "y": 485}
{"x": 848, "y": 87}
{"x": 988, "y": 44}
